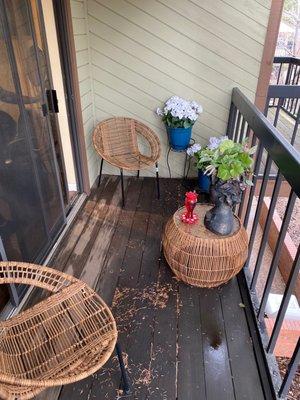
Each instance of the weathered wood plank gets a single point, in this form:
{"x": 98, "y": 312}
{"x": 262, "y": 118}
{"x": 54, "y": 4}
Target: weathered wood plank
{"x": 107, "y": 380}
{"x": 130, "y": 304}
{"x": 93, "y": 243}
{"x": 218, "y": 378}
{"x": 72, "y": 391}
{"x": 150, "y": 293}
{"x": 191, "y": 374}
{"x": 240, "y": 348}
{"x": 163, "y": 352}
{"x": 65, "y": 249}
{"x": 139, "y": 303}
{"x": 108, "y": 217}
{"x": 50, "y": 394}
{"x": 107, "y": 282}
{"x": 131, "y": 264}
{"x": 81, "y": 251}
{"x": 163, "y": 383}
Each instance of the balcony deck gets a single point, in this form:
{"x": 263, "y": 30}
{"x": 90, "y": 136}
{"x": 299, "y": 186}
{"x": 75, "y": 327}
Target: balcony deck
{"x": 179, "y": 342}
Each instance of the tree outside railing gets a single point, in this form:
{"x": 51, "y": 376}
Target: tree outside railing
{"x": 289, "y": 34}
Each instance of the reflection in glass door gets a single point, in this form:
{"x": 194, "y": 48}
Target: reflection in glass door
{"x": 32, "y": 185}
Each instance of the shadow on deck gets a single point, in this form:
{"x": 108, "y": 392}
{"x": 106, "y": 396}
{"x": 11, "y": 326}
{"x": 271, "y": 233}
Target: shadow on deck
{"x": 179, "y": 342}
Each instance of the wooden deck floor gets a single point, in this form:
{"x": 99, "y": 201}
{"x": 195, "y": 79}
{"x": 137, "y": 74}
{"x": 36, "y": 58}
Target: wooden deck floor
{"x": 179, "y": 342}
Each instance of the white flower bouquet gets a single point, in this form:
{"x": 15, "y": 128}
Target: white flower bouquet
{"x": 179, "y": 113}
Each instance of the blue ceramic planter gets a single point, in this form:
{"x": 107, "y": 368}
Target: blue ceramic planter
{"x": 179, "y": 138}
{"x": 204, "y": 182}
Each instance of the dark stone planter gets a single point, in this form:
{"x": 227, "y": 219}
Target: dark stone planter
{"x": 220, "y": 219}
{"x": 224, "y": 195}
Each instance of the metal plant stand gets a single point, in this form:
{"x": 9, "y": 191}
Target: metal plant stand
{"x": 187, "y": 161}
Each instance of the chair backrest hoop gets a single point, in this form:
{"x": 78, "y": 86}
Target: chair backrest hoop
{"x": 117, "y": 136}
{"x": 34, "y": 275}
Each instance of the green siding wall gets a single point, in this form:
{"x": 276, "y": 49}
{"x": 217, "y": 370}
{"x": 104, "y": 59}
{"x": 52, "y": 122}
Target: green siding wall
{"x": 134, "y": 54}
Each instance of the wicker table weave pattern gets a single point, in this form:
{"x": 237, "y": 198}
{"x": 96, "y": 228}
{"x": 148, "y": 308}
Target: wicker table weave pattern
{"x": 198, "y": 256}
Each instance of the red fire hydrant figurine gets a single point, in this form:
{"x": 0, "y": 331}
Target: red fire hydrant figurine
{"x": 190, "y": 203}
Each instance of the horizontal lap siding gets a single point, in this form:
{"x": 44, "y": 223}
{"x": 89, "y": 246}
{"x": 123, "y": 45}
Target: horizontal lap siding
{"x": 82, "y": 47}
{"x": 143, "y": 51}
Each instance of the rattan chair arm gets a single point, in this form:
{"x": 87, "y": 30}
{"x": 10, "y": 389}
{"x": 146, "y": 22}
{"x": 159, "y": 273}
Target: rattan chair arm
{"x": 34, "y": 275}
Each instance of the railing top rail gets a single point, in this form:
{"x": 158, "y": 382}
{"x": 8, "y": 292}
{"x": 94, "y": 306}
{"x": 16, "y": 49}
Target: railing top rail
{"x": 284, "y": 91}
{"x": 286, "y": 60}
{"x": 281, "y": 151}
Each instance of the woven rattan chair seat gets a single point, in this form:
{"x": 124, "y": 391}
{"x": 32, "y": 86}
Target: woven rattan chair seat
{"x": 130, "y": 161}
{"x": 62, "y": 339}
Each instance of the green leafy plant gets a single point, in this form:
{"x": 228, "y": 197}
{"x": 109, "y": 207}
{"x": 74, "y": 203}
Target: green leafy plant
{"x": 224, "y": 159}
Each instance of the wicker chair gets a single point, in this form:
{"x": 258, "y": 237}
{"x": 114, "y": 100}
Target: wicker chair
{"x": 116, "y": 141}
{"x": 62, "y": 339}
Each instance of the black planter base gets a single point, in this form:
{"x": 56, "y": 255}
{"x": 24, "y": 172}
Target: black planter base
{"x": 220, "y": 220}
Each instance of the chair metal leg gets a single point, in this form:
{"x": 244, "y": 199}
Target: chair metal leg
{"x": 122, "y": 186}
{"x": 125, "y": 379}
{"x": 100, "y": 172}
{"x": 157, "y": 181}
{"x": 138, "y": 174}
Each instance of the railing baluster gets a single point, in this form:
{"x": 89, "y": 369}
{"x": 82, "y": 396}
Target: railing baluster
{"x": 285, "y": 302}
{"x": 279, "y": 105}
{"x": 291, "y": 372}
{"x": 237, "y": 127}
{"x": 295, "y": 127}
{"x": 297, "y": 100}
{"x": 242, "y": 130}
{"x": 277, "y": 253}
{"x": 294, "y": 106}
{"x": 231, "y": 120}
{"x": 294, "y": 82}
{"x": 267, "y": 227}
{"x": 288, "y": 82}
{"x": 254, "y": 180}
{"x": 279, "y": 73}
{"x": 287, "y": 79}
{"x": 248, "y": 130}
{"x": 245, "y": 137}
{"x": 260, "y": 202}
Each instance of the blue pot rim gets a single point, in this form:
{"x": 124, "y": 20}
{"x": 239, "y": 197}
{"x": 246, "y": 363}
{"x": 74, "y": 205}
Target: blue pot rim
{"x": 177, "y": 128}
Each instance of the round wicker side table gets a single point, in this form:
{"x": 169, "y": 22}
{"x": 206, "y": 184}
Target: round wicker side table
{"x": 198, "y": 256}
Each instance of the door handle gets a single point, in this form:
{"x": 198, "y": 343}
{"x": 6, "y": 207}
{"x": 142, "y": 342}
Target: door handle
{"x": 52, "y": 101}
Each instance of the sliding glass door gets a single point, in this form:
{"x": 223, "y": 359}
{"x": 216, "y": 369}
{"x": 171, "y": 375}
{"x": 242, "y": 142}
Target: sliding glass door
{"x": 32, "y": 181}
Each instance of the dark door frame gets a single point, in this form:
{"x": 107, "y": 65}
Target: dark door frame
{"x": 64, "y": 27}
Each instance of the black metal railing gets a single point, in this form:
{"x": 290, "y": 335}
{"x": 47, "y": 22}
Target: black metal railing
{"x": 286, "y": 71}
{"x": 274, "y": 152}
{"x": 278, "y": 97}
